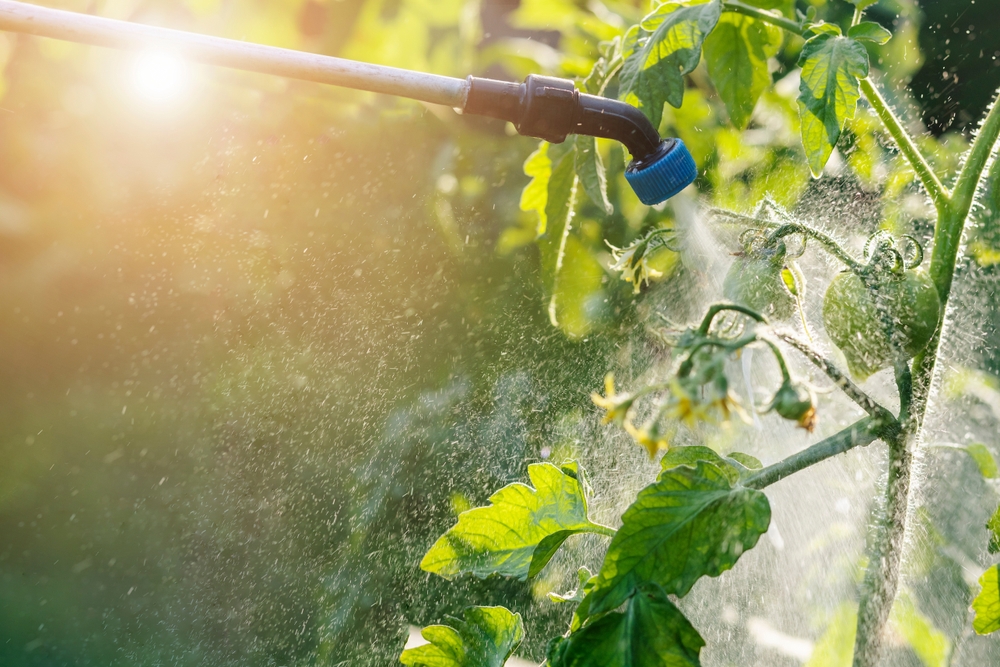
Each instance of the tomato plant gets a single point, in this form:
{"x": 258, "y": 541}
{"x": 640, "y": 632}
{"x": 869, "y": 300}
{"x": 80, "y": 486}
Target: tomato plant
{"x": 705, "y": 510}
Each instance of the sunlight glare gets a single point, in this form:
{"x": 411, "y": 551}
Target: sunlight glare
{"x": 159, "y": 77}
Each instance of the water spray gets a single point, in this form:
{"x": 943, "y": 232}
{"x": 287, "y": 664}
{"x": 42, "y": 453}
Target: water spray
{"x": 543, "y": 107}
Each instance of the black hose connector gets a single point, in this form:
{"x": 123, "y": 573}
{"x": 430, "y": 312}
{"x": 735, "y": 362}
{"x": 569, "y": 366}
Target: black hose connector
{"x": 549, "y": 108}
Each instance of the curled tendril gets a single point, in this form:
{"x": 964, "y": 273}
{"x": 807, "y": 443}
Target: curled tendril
{"x": 918, "y": 253}
{"x": 882, "y": 254}
{"x": 729, "y": 325}
{"x": 878, "y": 243}
{"x": 796, "y": 251}
{"x": 751, "y": 239}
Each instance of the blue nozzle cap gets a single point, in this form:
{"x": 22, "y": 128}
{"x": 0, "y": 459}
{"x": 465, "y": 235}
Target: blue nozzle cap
{"x": 663, "y": 174}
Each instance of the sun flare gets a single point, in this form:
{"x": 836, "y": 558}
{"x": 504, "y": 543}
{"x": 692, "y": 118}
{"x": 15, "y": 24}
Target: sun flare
{"x": 160, "y": 77}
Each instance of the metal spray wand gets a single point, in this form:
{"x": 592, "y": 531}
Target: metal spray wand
{"x": 543, "y": 107}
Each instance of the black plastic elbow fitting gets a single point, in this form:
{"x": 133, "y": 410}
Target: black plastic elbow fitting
{"x": 549, "y": 108}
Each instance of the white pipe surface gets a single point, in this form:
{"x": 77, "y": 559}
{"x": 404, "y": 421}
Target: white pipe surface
{"x": 87, "y": 29}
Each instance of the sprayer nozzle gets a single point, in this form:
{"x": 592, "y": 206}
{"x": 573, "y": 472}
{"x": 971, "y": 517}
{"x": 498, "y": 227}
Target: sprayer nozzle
{"x": 551, "y": 109}
{"x": 660, "y": 176}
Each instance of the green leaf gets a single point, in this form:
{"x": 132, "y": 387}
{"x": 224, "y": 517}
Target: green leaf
{"x": 987, "y": 603}
{"x": 552, "y": 244}
{"x": 984, "y": 459}
{"x": 535, "y": 196}
{"x": 690, "y": 523}
{"x": 835, "y": 647}
{"x": 666, "y": 47}
{"x": 484, "y": 637}
{"x": 690, "y": 456}
{"x": 651, "y": 632}
{"x": 869, "y": 31}
{"x": 993, "y": 525}
{"x": 736, "y": 53}
{"x": 828, "y": 93}
{"x": 590, "y": 170}
{"x": 519, "y": 532}
{"x": 604, "y": 68}
{"x": 824, "y": 28}
{"x": 747, "y": 461}
{"x": 930, "y": 644}
{"x": 734, "y": 465}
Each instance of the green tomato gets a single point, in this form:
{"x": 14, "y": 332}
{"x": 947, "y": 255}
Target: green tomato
{"x": 796, "y": 403}
{"x": 852, "y": 319}
{"x": 755, "y": 281}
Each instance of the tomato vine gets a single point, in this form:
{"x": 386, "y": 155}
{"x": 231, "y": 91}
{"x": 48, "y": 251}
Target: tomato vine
{"x": 705, "y": 510}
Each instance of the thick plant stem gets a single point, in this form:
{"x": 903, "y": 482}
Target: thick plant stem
{"x": 762, "y": 15}
{"x": 860, "y": 433}
{"x": 948, "y": 233}
{"x": 938, "y": 193}
{"x": 882, "y": 577}
{"x": 782, "y": 229}
{"x": 851, "y": 390}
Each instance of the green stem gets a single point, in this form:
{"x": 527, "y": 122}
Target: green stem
{"x": 904, "y": 385}
{"x": 948, "y": 234}
{"x": 717, "y": 308}
{"x": 786, "y": 228}
{"x": 937, "y": 192}
{"x": 878, "y": 591}
{"x": 598, "y": 529}
{"x": 785, "y": 375}
{"x": 831, "y": 246}
{"x": 762, "y": 15}
{"x": 858, "y": 434}
{"x": 687, "y": 365}
{"x": 881, "y": 579}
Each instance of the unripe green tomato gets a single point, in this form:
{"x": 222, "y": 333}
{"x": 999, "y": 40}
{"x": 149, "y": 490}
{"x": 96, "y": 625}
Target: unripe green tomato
{"x": 754, "y": 281}
{"x": 853, "y": 322}
{"x": 796, "y": 403}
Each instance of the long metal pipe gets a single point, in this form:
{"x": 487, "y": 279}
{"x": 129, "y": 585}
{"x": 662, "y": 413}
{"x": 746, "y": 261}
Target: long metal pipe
{"x": 87, "y": 29}
{"x": 541, "y": 107}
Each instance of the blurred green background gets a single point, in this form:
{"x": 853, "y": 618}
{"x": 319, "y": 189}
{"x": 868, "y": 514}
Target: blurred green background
{"x": 260, "y": 340}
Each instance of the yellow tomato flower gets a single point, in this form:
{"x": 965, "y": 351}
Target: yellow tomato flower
{"x": 617, "y": 405}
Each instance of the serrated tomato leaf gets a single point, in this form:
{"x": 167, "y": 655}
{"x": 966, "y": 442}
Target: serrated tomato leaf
{"x": 745, "y": 460}
{"x": 666, "y": 47}
{"x": 692, "y": 522}
{"x": 483, "y": 637}
{"x": 590, "y": 170}
{"x": 552, "y": 184}
{"x": 519, "y": 532}
{"x": 736, "y": 53}
{"x": 828, "y": 93}
{"x": 736, "y": 466}
{"x": 869, "y": 31}
{"x": 987, "y": 603}
{"x": 551, "y": 194}
{"x": 651, "y": 632}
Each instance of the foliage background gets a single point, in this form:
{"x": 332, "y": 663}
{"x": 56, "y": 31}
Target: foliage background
{"x": 258, "y": 347}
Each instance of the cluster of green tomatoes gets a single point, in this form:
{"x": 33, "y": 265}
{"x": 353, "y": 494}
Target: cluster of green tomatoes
{"x": 879, "y": 312}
